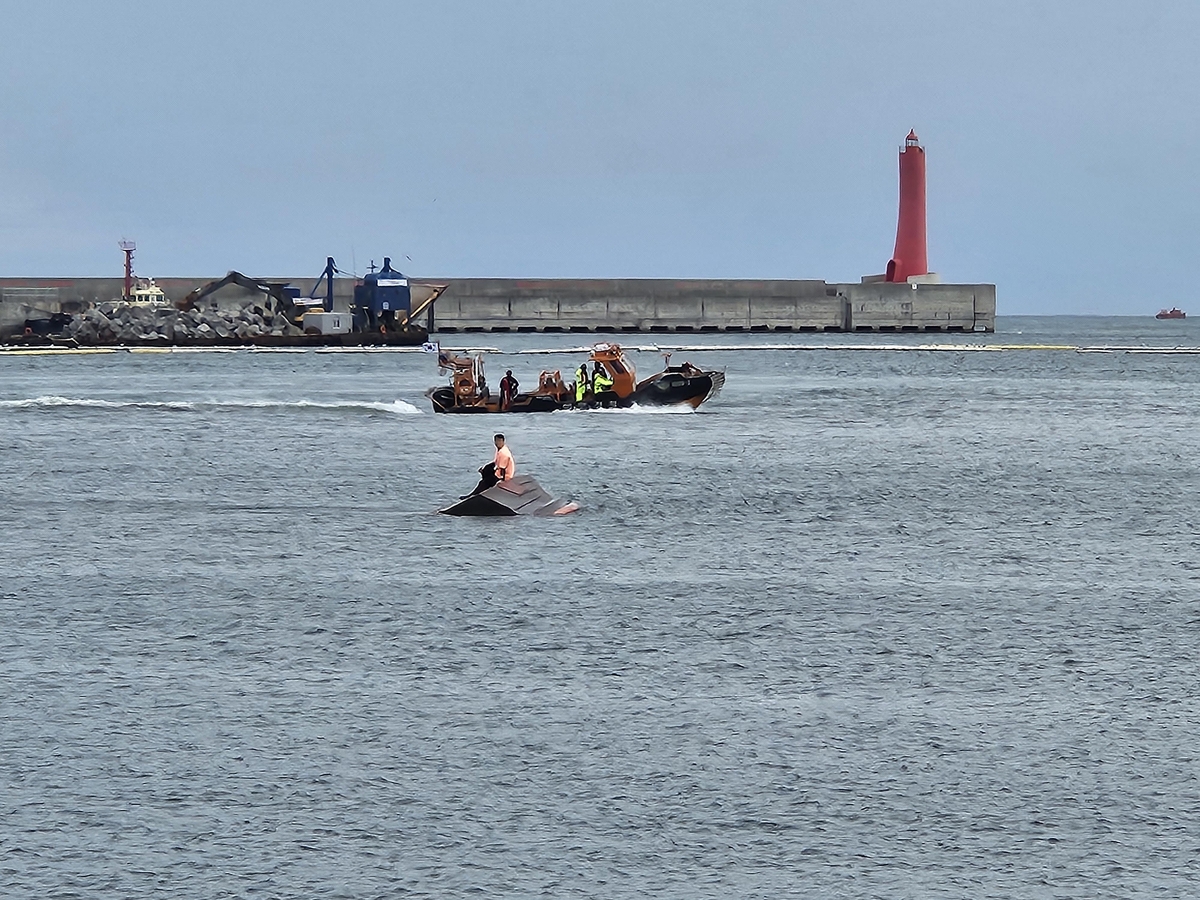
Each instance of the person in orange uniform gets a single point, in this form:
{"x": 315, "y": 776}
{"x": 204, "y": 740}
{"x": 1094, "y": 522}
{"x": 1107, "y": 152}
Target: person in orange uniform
{"x": 501, "y": 468}
{"x": 508, "y": 390}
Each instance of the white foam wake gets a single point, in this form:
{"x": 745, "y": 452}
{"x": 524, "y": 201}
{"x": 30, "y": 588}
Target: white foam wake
{"x": 394, "y": 407}
{"x": 678, "y": 409}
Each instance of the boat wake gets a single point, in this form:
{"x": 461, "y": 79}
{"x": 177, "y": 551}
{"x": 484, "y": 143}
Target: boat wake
{"x": 395, "y": 407}
{"x": 677, "y": 409}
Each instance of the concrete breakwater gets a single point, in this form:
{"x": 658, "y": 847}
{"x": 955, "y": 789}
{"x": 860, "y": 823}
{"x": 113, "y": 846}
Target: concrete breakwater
{"x": 664, "y": 305}
{"x": 593, "y": 304}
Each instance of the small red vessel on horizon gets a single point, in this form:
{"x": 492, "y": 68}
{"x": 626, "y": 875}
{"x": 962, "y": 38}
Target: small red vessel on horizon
{"x": 1173, "y": 313}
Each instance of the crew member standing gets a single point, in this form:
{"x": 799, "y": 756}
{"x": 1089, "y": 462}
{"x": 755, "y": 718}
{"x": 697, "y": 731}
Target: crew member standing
{"x": 508, "y": 390}
{"x": 601, "y": 385}
{"x": 581, "y": 383}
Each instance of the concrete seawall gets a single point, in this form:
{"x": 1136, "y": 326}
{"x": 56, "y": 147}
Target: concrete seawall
{"x": 503, "y": 304}
{"x": 600, "y": 305}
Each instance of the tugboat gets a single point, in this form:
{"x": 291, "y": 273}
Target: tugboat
{"x": 468, "y": 391}
{"x": 146, "y": 293}
{"x": 1172, "y": 313}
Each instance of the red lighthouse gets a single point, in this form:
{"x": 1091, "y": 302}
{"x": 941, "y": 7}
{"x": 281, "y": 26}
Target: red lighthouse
{"x": 910, "y": 257}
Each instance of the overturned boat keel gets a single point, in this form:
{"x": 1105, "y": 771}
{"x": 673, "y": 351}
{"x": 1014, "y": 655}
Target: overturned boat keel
{"x": 519, "y": 496}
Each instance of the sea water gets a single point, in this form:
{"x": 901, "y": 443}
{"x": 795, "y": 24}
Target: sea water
{"x": 873, "y": 622}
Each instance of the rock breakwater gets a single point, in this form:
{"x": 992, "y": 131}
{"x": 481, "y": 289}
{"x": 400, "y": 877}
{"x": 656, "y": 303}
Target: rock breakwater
{"x": 125, "y": 323}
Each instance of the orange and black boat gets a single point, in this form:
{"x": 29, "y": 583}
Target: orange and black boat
{"x": 618, "y": 387}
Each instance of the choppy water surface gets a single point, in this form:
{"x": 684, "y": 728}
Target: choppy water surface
{"x": 891, "y": 623}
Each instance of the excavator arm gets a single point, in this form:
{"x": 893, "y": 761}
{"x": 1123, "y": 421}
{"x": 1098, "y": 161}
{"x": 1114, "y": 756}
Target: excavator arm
{"x": 419, "y": 308}
{"x": 273, "y": 289}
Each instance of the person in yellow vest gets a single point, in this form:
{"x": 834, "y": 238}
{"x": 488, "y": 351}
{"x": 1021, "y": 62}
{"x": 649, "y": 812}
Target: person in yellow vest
{"x": 581, "y": 383}
{"x": 602, "y": 385}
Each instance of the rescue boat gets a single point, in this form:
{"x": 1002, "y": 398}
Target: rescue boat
{"x": 468, "y": 391}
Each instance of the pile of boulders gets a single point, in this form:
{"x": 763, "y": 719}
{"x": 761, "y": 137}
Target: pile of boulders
{"x": 119, "y": 322}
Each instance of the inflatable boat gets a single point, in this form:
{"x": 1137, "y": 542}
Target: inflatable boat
{"x": 675, "y": 385}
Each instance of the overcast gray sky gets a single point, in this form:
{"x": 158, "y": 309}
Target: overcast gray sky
{"x": 616, "y": 139}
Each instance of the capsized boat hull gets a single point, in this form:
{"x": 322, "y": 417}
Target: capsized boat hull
{"x": 519, "y": 496}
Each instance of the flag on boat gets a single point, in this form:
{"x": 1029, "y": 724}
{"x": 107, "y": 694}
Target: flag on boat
{"x": 431, "y": 347}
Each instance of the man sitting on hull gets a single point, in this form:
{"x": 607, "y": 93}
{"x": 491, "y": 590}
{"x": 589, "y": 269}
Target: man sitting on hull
{"x": 501, "y": 468}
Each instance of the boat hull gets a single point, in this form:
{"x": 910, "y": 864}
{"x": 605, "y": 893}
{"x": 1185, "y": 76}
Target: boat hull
{"x": 672, "y": 388}
{"x": 519, "y": 496}
{"x": 443, "y": 402}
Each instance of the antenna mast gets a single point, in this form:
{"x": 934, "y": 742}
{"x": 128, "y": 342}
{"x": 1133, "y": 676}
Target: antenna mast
{"x": 128, "y": 247}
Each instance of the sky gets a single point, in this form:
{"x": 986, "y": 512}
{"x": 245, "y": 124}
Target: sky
{"x": 607, "y": 139}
